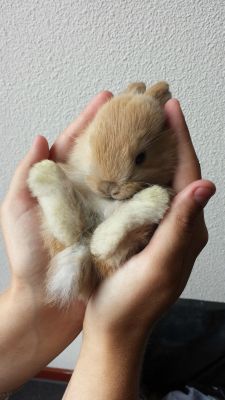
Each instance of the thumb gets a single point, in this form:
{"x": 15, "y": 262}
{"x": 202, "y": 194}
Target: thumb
{"x": 175, "y": 231}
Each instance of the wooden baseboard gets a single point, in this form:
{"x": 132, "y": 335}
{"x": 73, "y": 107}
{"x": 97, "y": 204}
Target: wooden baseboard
{"x": 55, "y": 374}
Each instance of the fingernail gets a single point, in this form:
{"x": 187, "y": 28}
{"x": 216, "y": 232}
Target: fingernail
{"x": 203, "y": 194}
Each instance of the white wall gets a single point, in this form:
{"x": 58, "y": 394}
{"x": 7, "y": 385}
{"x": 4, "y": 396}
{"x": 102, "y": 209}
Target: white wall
{"x": 54, "y": 55}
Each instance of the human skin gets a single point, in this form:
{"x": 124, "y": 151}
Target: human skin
{"x": 125, "y": 307}
{"x": 28, "y": 323}
{"x": 31, "y": 332}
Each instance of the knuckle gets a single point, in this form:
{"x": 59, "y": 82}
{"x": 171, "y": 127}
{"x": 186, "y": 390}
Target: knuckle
{"x": 185, "y": 223}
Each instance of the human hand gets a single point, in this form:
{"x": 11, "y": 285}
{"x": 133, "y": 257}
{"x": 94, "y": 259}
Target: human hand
{"x": 19, "y": 211}
{"x": 137, "y": 294}
{"x": 35, "y": 324}
{"x": 125, "y": 307}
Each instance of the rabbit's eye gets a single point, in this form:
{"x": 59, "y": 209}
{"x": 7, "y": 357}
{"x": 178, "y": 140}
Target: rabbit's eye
{"x": 140, "y": 158}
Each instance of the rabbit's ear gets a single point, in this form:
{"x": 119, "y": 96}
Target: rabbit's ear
{"x": 135, "y": 88}
{"x": 159, "y": 91}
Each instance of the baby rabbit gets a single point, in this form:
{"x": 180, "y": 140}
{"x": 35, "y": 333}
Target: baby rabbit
{"x": 99, "y": 208}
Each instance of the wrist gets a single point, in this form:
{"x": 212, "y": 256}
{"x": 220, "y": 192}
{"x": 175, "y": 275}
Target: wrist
{"x": 45, "y": 321}
{"x": 107, "y": 368}
{"x": 31, "y": 333}
{"x": 19, "y": 342}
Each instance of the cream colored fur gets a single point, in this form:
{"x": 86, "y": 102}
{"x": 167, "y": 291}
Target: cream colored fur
{"x": 147, "y": 205}
{"x": 101, "y": 204}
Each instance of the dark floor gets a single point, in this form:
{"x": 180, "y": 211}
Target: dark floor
{"x": 40, "y": 390}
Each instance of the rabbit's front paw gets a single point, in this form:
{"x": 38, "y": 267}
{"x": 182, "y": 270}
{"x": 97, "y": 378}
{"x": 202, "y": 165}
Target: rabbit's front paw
{"x": 44, "y": 177}
{"x": 156, "y": 200}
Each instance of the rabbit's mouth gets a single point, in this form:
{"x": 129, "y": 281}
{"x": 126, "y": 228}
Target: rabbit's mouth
{"x": 127, "y": 190}
{"x": 121, "y": 191}
{"x": 114, "y": 190}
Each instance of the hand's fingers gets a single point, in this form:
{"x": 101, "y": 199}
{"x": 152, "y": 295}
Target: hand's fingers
{"x": 188, "y": 169}
{"x": 167, "y": 249}
{"x": 63, "y": 143}
{"x": 38, "y": 152}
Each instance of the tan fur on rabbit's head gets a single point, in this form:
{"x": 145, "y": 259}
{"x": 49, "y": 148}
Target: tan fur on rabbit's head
{"x": 129, "y": 144}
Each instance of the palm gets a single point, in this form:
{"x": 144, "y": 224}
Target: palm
{"x": 26, "y": 235}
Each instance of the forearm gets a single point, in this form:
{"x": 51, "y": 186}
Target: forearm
{"x": 29, "y": 335}
{"x": 18, "y": 341}
{"x": 107, "y": 370}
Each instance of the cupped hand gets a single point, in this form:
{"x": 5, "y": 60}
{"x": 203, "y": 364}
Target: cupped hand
{"x": 124, "y": 308}
{"x": 130, "y": 301}
{"x": 50, "y": 329}
{"x": 19, "y": 210}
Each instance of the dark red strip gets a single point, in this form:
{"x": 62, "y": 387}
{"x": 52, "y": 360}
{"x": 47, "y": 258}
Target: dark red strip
{"x": 55, "y": 374}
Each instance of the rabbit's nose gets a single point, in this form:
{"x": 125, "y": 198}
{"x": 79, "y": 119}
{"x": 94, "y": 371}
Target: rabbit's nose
{"x": 108, "y": 188}
{"x": 114, "y": 190}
